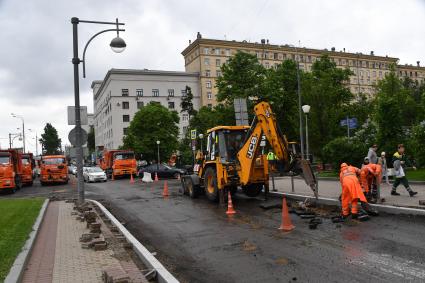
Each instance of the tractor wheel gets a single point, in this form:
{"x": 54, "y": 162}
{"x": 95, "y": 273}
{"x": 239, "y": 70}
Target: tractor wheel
{"x": 252, "y": 190}
{"x": 210, "y": 184}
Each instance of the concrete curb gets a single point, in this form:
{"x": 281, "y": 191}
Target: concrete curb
{"x": 163, "y": 275}
{"x": 330, "y": 201}
{"x": 337, "y": 179}
{"x": 17, "y": 269}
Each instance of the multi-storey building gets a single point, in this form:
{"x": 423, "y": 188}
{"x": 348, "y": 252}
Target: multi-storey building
{"x": 123, "y": 92}
{"x": 206, "y": 56}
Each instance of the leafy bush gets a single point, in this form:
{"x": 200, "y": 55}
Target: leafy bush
{"x": 343, "y": 149}
{"x": 416, "y": 144}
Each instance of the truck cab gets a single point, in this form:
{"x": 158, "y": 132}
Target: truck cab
{"x": 28, "y": 165}
{"x": 118, "y": 163}
{"x": 10, "y": 170}
{"x": 53, "y": 169}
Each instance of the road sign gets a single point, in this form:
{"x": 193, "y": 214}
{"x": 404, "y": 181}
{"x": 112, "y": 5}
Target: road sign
{"x": 241, "y": 112}
{"x": 83, "y": 115}
{"x": 352, "y": 123}
{"x": 72, "y": 137}
{"x": 193, "y": 134}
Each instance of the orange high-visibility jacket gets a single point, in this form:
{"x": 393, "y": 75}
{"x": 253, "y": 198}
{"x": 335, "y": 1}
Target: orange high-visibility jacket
{"x": 368, "y": 173}
{"x": 349, "y": 181}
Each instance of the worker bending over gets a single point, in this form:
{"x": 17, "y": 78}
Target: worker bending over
{"x": 370, "y": 176}
{"x": 351, "y": 190}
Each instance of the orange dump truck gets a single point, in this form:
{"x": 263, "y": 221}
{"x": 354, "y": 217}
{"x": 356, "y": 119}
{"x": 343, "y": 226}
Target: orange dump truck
{"x": 28, "y": 165}
{"x": 117, "y": 163}
{"x": 10, "y": 170}
{"x": 53, "y": 169}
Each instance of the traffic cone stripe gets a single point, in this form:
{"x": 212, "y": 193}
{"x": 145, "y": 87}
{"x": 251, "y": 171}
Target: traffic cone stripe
{"x": 230, "y": 209}
{"x": 156, "y": 177}
{"x": 286, "y": 224}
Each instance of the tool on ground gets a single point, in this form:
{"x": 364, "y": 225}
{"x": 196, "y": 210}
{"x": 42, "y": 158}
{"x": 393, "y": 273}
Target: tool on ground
{"x": 165, "y": 190}
{"x": 286, "y": 224}
{"x": 230, "y": 209}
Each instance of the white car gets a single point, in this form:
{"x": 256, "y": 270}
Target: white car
{"x": 94, "y": 174}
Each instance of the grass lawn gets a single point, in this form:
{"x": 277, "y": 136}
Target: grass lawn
{"x": 412, "y": 175}
{"x": 17, "y": 216}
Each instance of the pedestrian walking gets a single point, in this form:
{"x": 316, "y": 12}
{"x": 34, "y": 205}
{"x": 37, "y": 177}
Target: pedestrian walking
{"x": 382, "y": 160}
{"x": 371, "y": 154}
{"x": 400, "y": 162}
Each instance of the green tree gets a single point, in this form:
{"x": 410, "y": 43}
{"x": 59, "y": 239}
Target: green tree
{"x": 91, "y": 140}
{"x": 187, "y": 103}
{"x": 50, "y": 141}
{"x": 326, "y": 91}
{"x": 151, "y": 123}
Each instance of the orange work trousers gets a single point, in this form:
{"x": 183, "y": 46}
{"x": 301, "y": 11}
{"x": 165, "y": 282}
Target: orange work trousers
{"x": 351, "y": 194}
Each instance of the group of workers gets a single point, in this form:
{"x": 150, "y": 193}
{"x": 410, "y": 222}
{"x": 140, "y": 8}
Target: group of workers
{"x": 361, "y": 185}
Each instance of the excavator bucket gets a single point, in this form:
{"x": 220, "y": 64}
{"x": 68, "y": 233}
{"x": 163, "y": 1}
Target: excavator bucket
{"x": 309, "y": 177}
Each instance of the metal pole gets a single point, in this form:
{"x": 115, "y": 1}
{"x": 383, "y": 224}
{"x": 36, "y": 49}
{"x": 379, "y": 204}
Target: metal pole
{"x": 348, "y": 128}
{"x": 306, "y": 136}
{"x": 10, "y": 141}
{"x": 23, "y": 133}
{"x": 159, "y": 161}
{"x": 292, "y": 183}
{"x": 78, "y": 148}
{"x": 299, "y": 104}
{"x": 36, "y": 144}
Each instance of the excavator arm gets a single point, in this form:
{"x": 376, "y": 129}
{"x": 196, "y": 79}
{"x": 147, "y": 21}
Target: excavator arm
{"x": 265, "y": 123}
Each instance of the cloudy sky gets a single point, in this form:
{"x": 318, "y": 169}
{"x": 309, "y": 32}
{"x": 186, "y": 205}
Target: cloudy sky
{"x": 36, "y": 75}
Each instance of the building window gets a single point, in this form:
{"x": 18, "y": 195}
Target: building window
{"x": 258, "y": 54}
{"x": 185, "y": 117}
{"x": 218, "y": 62}
{"x": 139, "y": 92}
{"x": 125, "y": 131}
{"x": 206, "y": 50}
{"x": 185, "y": 130}
{"x": 227, "y": 52}
{"x": 267, "y": 65}
{"x": 209, "y": 95}
{"x": 126, "y": 118}
{"x": 208, "y": 84}
{"x": 217, "y": 51}
{"x": 275, "y": 56}
{"x": 125, "y": 105}
{"x": 140, "y": 104}
{"x": 218, "y": 73}
{"x": 171, "y": 93}
{"x": 124, "y": 92}
{"x": 155, "y": 92}
{"x": 207, "y": 61}
{"x": 171, "y": 105}
{"x": 207, "y": 73}
{"x": 183, "y": 92}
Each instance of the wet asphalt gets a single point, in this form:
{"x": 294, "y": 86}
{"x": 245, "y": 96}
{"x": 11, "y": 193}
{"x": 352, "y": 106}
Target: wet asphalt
{"x": 198, "y": 242}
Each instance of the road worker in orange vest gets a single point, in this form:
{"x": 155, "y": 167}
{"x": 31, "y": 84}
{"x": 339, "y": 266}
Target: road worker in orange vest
{"x": 351, "y": 190}
{"x": 370, "y": 177}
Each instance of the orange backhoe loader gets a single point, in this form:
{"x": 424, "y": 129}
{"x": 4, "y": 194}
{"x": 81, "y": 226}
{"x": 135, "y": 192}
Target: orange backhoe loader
{"x": 118, "y": 163}
{"x": 233, "y": 158}
{"x": 10, "y": 170}
{"x": 53, "y": 169}
{"x": 28, "y": 165}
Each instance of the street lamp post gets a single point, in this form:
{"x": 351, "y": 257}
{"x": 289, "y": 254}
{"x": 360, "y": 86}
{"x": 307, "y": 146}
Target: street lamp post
{"x": 23, "y": 129}
{"x": 12, "y": 137}
{"x": 159, "y": 161}
{"x": 118, "y": 45}
{"x": 306, "y": 110}
{"x": 36, "y": 142}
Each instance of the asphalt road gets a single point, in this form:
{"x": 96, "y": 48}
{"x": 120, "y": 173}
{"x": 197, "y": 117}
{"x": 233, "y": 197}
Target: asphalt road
{"x": 199, "y": 243}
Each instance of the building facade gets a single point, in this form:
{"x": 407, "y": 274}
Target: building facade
{"x": 206, "y": 56}
{"x": 123, "y": 92}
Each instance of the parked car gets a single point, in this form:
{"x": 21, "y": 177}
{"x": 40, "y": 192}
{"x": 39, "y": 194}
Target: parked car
{"x": 94, "y": 174}
{"x": 164, "y": 171}
{"x": 72, "y": 169}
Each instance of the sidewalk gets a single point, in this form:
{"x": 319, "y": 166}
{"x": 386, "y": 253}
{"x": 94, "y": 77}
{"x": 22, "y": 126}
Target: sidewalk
{"x": 58, "y": 255}
{"x": 332, "y": 189}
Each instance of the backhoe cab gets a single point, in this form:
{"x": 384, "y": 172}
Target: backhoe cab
{"x": 234, "y": 158}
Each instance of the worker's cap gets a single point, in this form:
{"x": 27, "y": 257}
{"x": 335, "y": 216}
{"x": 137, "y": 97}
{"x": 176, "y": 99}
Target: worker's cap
{"x": 344, "y": 165}
{"x": 383, "y": 153}
{"x": 366, "y": 158}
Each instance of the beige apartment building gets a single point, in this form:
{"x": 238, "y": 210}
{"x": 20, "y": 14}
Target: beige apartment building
{"x": 206, "y": 56}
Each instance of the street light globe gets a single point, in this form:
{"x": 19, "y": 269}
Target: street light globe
{"x": 158, "y": 142}
{"x": 201, "y": 136}
{"x": 118, "y": 44}
{"x": 306, "y": 109}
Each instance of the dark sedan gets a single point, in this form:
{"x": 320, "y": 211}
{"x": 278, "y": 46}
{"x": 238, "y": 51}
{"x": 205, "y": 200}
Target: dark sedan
{"x": 164, "y": 171}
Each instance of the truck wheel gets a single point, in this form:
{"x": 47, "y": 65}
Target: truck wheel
{"x": 210, "y": 184}
{"x": 252, "y": 190}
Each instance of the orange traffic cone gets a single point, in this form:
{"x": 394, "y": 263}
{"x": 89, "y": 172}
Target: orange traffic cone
{"x": 286, "y": 224}
{"x": 165, "y": 191}
{"x": 156, "y": 177}
{"x": 131, "y": 179}
{"x": 230, "y": 209}
{"x": 113, "y": 178}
